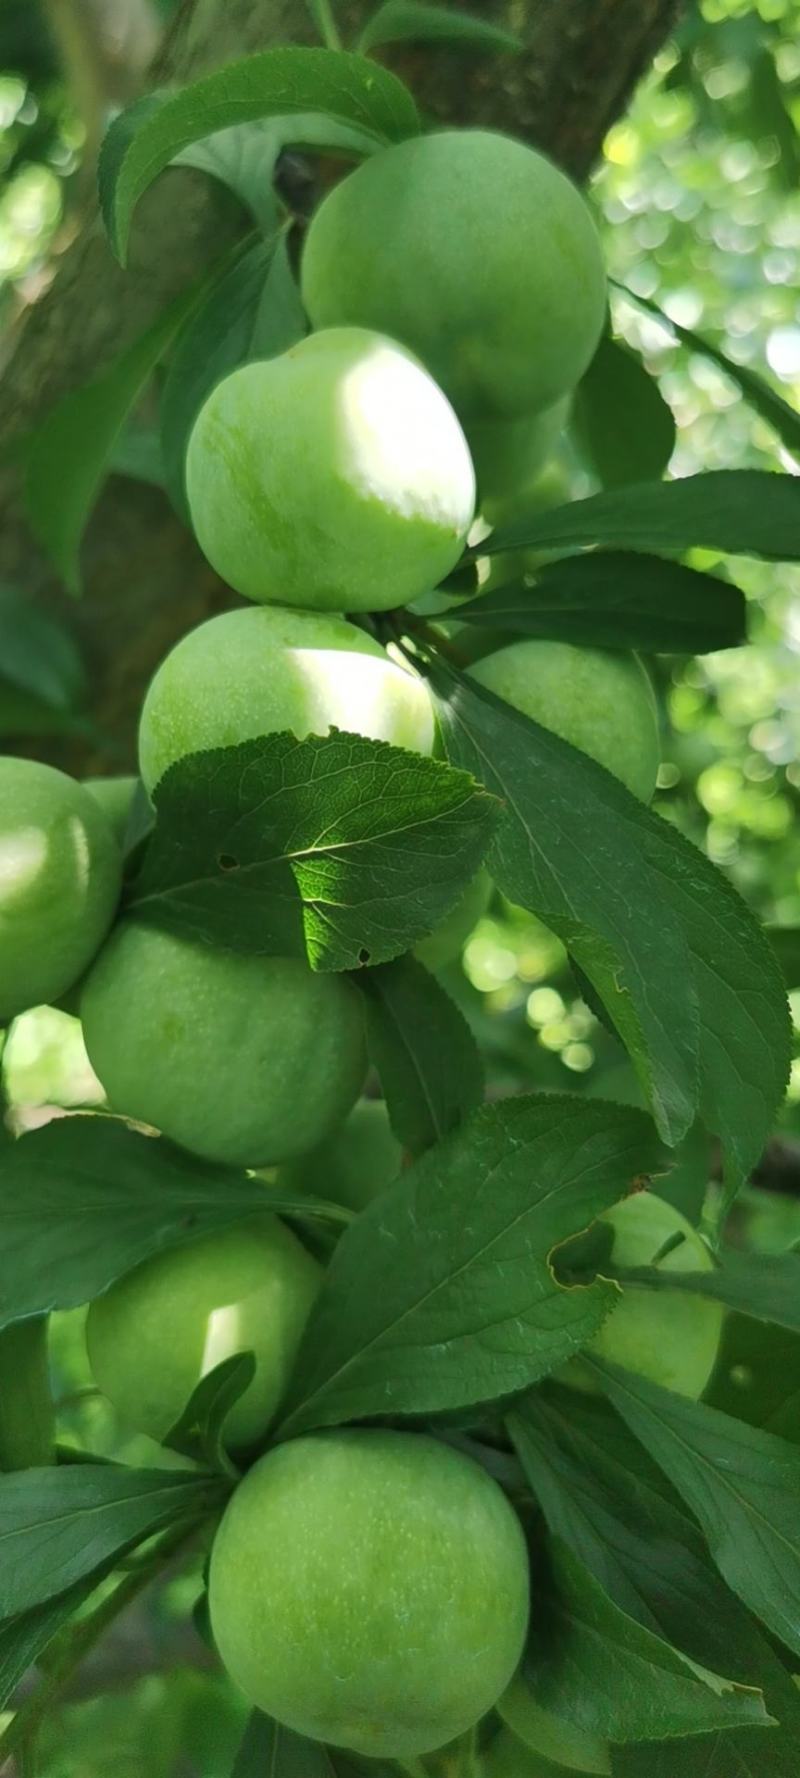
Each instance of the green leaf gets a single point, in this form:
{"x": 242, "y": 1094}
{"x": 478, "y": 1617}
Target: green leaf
{"x": 59, "y": 1526}
{"x": 591, "y": 1663}
{"x": 269, "y": 1750}
{"x": 617, "y": 600}
{"x": 757, "y": 1376}
{"x": 38, "y": 653}
{"x": 276, "y": 83}
{"x": 336, "y": 847}
{"x": 766, "y": 1285}
{"x": 427, "y": 1058}
{"x": 84, "y": 1199}
{"x": 403, "y": 21}
{"x": 766, "y": 401}
{"x": 198, "y": 1432}
{"x": 750, "y": 1753}
{"x": 620, "y": 419}
{"x": 24, "y": 1638}
{"x": 70, "y": 453}
{"x": 243, "y": 159}
{"x": 742, "y": 1484}
{"x": 440, "y": 1295}
{"x": 674, "y": 954}
{"x": 785, "y": 942}
{"x": 746, "y": 512}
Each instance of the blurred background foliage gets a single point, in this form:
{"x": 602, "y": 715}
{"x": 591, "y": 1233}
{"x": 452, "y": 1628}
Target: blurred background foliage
{"x": 699, "y": 202}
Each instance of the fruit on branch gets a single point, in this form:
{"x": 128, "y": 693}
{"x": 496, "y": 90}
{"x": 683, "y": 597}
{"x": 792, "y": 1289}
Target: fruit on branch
{"x": 370, "y": 1589}
{"x": 512, "y": 457}
{"x": 599, "y": 700}
{"x": 353, "y": 1164}
{"x": 259, "y": 671}
{"x": 668, "y": 1336}
{"x": 334, "y": 477}
{"x": 550, "y": 1736}
{"x": 60, "y": 874}
{"x": 169, "y": 1322}
{"x": 478, "y": 254}
{"x": 115, "y": 796}
{"x": 242, "y": 1059}
{"x": 447, "y": 941}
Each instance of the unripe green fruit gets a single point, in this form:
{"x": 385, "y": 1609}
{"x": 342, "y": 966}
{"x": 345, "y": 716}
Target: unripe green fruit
{"x": 555, "y": 1740}
{"x": 255, "y": 672}
{"x": 334, "y": 477}
{"x": 241, "y": 1059}
{"x": 447, "y": 942}
{"x": 353, "y": 1164}
{"x": 602, "y": 702}
{"x": 114, "y": 796}
{"x": 162, "y": 1327}
{"x": 668, "y": 1336}
{"x": 370, "y": 1589}
{"x": 511, "y": 457}
{"x": 60, "y": 874}
{"x": 478, "y": 254}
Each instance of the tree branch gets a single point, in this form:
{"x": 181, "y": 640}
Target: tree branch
{"x": 146, "y": 583}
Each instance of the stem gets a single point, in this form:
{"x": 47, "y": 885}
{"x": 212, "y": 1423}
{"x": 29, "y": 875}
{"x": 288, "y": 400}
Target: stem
{"x": 27, "y": 1416}
{"x": 322, "y": 14}
{"x": 24, "y": 1726}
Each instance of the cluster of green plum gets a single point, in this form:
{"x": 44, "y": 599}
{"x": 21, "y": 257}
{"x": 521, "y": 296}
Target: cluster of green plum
{"x": 367, "y": 1588}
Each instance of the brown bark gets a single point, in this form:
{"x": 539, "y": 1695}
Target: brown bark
{"x": 145, "y": 581}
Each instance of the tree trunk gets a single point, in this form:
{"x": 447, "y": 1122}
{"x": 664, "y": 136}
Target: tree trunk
{"x": 145, "y": 581}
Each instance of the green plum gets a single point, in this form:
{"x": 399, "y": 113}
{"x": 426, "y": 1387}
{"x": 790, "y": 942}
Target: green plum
{"x": 163, "y": 1326}
{"x": 335, "y": 476}
{"x": 256, "y": 671}
{"x": 558, "y": 1741}
{"x": 511, "y": 458}
{"x": 477, "y": 253}
{"x": 668, "y": 1336}
{"x": 600, "y": 701}
{"x": 242, "y": 1059}
{"x": 60, "y": 875}
{"x": 447, "y": 941}
{"x": 370, "y": 1589}
{"x": 353, "y": 1164}
{"x": 115, "y": 796}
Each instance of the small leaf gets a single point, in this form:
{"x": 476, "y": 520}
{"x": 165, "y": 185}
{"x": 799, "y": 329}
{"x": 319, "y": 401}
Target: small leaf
{"x": 276, "y": 83}
{"x": 59, "y": 1526}
{"x": 38, "y": 653}
{"x": 71, "y": 452}
{"x": 591, "y": 1663}
{"x": 674, "y": 954}
{"x": 765, "y": 1285}
{"x": 611, "y": 599}
{"x": 403, "y": 21}
{"x": 429, "y": 1064}
{"x": 742, "y": 1484}
{"x": 336, "y": 847}
{"x": 25, "y": 1637}
{"x": 84, "y": 1199}
{"x": 746, "y": 512}
{"x": 620, "y": 418}
{"x": 766, "y": 401}
{"x": 199, "y": 1431}
{"x": 269, "y": 1750}
{"x": 440, "y": 1295}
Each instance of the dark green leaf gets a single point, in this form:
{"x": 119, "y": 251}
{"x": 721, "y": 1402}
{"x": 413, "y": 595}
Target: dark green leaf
{"x": 747, "y": 512}
{"x": 38, "y": 654}
{"x": 674, "y": 954}
{"x": 429, "y": 1064}
{"x": 138, "y": 455}
{"x": 336, "y": 847}
{"x": 440, "y": 1294}
{"x": 276, "y": 83}
{"x": 622, "y": 422}
{"x": 269, "y": 1750}
{"x": 403, "y": 21}
{"x": 766, "y": 1285}
{"x": 785, "y": 942}
{"x": 243, "y": 158}
{"x": 70, "y": 453}
{"x": 757, "y": 1377}
{"x": 617, "y": 600}
{"x": 85, "y": 1198}
{"x": 762, "y": 397}
{"x": 198, "y": 1432}
{"x": 591, "y": 1663}
{"x": 25, "y": 1637}
{"x": 750, "y": 1753}
{"x": 742, "y": 1484}
{"x": 58, "y": 1526}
